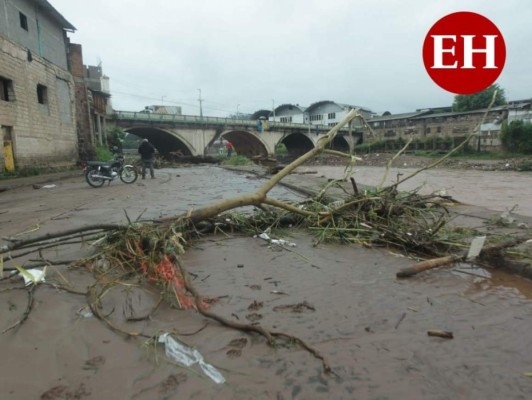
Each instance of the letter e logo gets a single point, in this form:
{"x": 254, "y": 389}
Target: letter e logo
{"x": 464, "y": 52}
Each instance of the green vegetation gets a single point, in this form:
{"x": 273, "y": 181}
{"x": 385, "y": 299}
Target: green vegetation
{"x": 237, "y": 160}
{"x": 430, "y": 145}
{"x": 479, "y": 100}
{"x": 526, "y": 166}
{"x": 516, "y": 137}
{"x": 131, "y": 141}
{"x": 281, "y": 150}
{"x": 103, "y": 153}
{"x": 116, "y": 136}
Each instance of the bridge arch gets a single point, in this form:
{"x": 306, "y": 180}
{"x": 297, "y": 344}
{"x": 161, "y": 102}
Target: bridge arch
{"x": 340, "y": 143}
{"x": 164, "y": 141}
{"x": 297, "y": 143}
{"x": 246, "y": 143}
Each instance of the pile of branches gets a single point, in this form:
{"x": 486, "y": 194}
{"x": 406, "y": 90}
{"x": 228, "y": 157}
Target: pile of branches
{"x": 150, "y": 252}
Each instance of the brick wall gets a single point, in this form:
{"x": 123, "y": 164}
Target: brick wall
{"x": 84, "y": 127}
{"x": 454, "y": 125}
{"x": 44, "y": 135}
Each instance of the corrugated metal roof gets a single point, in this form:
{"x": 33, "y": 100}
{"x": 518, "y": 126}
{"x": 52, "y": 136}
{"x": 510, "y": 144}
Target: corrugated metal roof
{"x": 456, "y": 114}
{"x": 342, "y": 105}
{"x": 398, "y": 116}
{"x": 290, "y": 107}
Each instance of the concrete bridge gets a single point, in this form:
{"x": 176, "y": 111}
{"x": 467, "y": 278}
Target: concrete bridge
{"x": 193, "y": 135}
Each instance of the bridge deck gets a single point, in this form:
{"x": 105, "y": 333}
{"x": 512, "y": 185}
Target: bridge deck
{"x": 194, "y": 119}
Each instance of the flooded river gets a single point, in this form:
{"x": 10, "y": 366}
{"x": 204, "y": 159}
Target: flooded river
{"x": 342, "y": 300}
{"x": 496, "y": 190}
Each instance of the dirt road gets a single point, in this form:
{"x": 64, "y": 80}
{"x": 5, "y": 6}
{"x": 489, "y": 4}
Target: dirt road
{"x": 343, "y": 300}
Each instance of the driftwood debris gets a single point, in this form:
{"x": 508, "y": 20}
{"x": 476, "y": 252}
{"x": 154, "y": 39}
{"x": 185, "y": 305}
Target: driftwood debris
{"x": 149, "y": 252}
{"x": 442, "y": 334}
{"x": 428, "y": 264}
{"x": 486, "y": 253}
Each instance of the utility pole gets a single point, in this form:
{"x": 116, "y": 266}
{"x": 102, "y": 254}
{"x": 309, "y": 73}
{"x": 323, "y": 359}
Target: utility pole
{"x": 200, "y": 106}
{"x": 237, "y": 106}
{"x": 273, "y": 109}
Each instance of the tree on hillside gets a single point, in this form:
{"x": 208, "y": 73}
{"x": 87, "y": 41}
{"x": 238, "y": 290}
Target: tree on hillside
{"x": 479, "y": 100}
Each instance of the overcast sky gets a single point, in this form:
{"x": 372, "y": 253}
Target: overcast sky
{"x": 247, "y": 55}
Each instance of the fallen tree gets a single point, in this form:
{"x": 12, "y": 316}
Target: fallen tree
{"x": 150, "y": 252}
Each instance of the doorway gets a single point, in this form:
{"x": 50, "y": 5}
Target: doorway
{"x": 7, "y": 138}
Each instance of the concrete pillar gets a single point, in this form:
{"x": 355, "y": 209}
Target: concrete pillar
{"x": 104, "y": 127}
{"x": 99, "y": 128}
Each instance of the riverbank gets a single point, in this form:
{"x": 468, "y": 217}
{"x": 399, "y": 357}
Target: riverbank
{"x": 343, "y": 300}
{"x": 412, "y": 161}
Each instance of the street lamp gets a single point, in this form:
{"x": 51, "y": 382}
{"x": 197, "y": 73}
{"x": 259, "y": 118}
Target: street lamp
{"x": 238, "y": 105}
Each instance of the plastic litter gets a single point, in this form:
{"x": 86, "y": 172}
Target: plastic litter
{"x": 85, "y": 312}
{"x": 188, "y": 356}
{"x": 33, "y": 275}
{"x": 282, "y": 242}
{"x": 264, "y": 236}
{"x": 279, "y": 242}
{"x": 50, "y": 186}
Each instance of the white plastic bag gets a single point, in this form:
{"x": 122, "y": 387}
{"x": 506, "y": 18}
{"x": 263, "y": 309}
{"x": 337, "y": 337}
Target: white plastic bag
{"x": 188, "y": 356}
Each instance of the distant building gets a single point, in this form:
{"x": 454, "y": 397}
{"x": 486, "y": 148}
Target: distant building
{"x": 172, "y": 110}
{"x": 443, "y": 124}
{"x": 520, "y": 110}
{"x": 329, "y": 113}
{"x": 37, "y": 119}
{"x": 288, "y": 113}
{"x": 326, "y": 113}
{"x": 99, "y": 100}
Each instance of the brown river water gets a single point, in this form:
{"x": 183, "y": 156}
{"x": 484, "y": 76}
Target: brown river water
{"x": 496, "y": 190}
{"x": 342, "y": 300}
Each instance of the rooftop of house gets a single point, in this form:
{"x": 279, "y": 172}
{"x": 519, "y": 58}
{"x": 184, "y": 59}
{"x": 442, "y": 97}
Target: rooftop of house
{"x": 56, "y": 15}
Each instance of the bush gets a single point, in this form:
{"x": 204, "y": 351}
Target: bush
{"x": 237, "y": 160}
{"x": 281, "y": 150}
{"x": 516, "y": 137}
{"x": 103, "y": 153}
{"x": 525, "y": 166}
{"x": 115, "y": 137}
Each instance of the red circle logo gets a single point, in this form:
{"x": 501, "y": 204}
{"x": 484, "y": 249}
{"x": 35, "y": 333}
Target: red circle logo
{"x": 464, "y": 52}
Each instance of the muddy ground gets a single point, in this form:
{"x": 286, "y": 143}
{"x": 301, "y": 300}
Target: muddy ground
{"x": 343, "y": 300}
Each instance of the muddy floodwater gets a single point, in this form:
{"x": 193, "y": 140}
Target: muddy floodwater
{"x": 344, "y": 301}
{"x": 496, "y": 190}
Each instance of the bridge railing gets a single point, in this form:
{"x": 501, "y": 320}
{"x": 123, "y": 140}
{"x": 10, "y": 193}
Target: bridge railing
{"x": 195, "y": 119}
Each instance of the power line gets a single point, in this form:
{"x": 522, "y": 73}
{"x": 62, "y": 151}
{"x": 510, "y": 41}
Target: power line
{"x": 170, "y": 101}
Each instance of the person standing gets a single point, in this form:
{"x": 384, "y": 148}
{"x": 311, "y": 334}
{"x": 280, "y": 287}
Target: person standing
{"x": 147, "y": 154}
{"x": 230, "y": 148}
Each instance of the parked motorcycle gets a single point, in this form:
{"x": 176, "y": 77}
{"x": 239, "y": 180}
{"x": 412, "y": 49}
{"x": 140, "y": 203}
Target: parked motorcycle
{"x": 98, "y": 172}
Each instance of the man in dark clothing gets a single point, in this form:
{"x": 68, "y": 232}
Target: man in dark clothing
{"x": 147, "y": 154}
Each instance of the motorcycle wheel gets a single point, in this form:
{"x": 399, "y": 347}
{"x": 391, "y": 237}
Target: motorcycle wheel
{"x": 92, "y": 179}
{"x": 128, "y": 174}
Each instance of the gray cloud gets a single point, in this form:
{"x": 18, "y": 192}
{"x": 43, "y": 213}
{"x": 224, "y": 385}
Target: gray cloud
{"x": 253, "y": 53}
